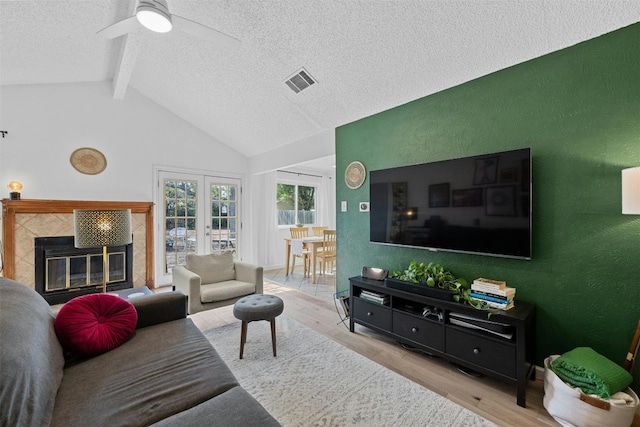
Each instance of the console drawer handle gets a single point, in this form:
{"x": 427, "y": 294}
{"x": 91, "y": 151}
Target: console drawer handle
{"x": 414, "y": 330}
{"x": 476, "y": 351}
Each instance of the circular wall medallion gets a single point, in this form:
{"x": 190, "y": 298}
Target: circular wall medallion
{"x": 355, "y": 175}
{"x": 88, "y": 161}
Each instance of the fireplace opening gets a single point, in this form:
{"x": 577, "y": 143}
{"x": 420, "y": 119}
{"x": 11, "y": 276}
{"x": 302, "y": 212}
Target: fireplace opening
{"x": 63, "y": 271}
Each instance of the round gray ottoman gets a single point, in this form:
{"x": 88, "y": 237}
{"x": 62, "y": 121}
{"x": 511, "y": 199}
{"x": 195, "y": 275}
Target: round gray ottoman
{"x": 258, "y": 307}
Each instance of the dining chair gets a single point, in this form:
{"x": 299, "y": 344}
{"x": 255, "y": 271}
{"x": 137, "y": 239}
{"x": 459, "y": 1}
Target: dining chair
{"x": 328, "y": 253}
{"x": 300, "y": 233}
{"x": 317, "y": 231}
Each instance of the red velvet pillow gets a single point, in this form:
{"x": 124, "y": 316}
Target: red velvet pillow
{"x": 96, "y": 323}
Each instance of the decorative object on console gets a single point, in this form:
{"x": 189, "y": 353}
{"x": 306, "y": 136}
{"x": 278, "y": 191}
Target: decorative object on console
{"x": 435, "y": 281}
{"x": 15, "y": 187}
{"x": 355, "y": 175}
{"x": 431, "y": 279}
{"x": 88, "y": 161}
{"x": 102, "y": 228}
{"x": 495, "y": 293}
{"x": 374, "y": 273}
{"x": 631, "y": 191}
{"x": 490, "y": 283}
{"x": 420, "y": 289}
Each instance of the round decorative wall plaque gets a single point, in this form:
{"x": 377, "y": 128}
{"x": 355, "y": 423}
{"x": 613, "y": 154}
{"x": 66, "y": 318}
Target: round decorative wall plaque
{"x": 355, "y": 175}
{"x": 88, "y": 161}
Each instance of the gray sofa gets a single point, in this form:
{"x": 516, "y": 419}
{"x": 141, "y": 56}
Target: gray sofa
{"x": 166, "y": 374}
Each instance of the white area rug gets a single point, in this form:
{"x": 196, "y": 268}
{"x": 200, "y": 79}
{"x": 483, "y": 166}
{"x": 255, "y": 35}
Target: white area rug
{"x": 315, "y": 381}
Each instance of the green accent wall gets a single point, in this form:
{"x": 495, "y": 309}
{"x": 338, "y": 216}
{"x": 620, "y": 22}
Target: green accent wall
{"x": 578, "y": 110}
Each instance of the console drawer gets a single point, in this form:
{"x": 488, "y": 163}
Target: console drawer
{"x": 372, "y": 314}
{"x": 481, "y": 351}
{"x": 420, "y": 331}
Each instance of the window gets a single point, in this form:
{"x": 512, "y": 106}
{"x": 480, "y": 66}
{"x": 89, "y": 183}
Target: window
{"x": 296, "y": 204}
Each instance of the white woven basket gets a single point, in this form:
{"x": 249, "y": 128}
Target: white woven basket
{"x": 572, "y": 408}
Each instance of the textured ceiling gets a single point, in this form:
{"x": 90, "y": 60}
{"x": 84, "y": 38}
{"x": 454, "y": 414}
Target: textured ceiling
{"x": 367, "y": 56}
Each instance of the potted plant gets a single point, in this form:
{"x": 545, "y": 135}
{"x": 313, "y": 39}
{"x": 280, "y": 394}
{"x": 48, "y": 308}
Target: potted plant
{"x": 435, "y": 281}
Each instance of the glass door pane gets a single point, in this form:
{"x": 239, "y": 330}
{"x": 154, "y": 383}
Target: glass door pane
{"x": 180, "y": 200}
{"x": 224, "y": 213}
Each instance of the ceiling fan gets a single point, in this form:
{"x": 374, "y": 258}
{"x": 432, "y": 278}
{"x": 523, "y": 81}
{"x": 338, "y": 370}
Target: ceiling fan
{"x": 154, "y": 15}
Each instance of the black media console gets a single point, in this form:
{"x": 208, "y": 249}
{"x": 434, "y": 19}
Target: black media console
{"x": 501, "y": 346}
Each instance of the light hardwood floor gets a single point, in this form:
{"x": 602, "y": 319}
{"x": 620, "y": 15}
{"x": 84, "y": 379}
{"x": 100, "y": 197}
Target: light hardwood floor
{"x": 313, "y": 305}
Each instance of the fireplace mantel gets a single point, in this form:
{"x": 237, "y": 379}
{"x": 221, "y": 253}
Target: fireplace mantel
{"x": 12, "y": 208}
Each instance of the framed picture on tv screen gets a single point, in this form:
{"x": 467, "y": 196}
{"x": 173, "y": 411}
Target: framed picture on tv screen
{"x": 501, "y": 200}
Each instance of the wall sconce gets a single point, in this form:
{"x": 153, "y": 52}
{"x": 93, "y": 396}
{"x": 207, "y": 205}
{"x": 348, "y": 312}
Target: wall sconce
{"x": 631, "y": 191}
{"x": 15, "y": 187}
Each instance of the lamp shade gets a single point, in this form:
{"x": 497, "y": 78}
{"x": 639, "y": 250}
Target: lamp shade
{"x": 631, "y": 191}
{"x": 98, "y": 228}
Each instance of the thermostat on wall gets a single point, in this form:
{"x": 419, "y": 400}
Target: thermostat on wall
{"x": 364, "y": 206}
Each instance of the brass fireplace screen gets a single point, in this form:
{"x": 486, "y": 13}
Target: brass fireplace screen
{"x": 77, "y": 271}
{"x": 63, "y": 271}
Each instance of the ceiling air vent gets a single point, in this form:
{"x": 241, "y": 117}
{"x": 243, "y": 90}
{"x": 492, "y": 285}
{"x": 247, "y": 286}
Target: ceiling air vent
{"x": 300, "y": 81}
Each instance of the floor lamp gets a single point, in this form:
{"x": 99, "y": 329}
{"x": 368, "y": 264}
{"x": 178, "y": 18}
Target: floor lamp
{"x": 101, "y": 228}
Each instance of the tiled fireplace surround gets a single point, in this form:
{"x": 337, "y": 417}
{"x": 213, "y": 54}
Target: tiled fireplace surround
{"x": 24, "y": 220}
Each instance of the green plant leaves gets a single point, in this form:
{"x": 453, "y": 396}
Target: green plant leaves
{"x": 435, "y": 275}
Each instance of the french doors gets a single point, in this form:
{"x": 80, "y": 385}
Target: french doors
{"x": 198, "y": 214}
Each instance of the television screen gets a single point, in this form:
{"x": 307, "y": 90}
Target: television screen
{"x": 479, "y": 204}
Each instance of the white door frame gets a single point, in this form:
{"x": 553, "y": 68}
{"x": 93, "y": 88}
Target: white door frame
{"x": 203, "y": 178}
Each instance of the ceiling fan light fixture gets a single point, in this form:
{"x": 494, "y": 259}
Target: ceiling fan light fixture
{"x": 154, "y": 15}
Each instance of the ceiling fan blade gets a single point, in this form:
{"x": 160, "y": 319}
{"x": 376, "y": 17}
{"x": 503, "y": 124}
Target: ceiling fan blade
{"x": 120, "y": 28}
{"x": 204, "y": 32}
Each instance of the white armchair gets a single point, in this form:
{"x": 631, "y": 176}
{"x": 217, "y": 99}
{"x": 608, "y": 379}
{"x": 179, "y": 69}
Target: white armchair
{"x": 216, "y": 280}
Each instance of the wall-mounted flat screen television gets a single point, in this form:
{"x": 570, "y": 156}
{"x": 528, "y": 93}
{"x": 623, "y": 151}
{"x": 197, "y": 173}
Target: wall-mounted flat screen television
{"x": 479, "y": 205}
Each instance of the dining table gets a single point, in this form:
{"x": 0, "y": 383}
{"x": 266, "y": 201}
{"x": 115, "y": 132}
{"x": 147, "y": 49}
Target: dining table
{"x": 312, "y": 243}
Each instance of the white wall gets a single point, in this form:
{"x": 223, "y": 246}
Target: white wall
{"x": 46, "y": 123}
{"x": 311, "y": 148}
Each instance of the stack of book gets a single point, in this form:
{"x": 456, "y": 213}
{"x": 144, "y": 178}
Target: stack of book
{"x": 374, "y": 297}
{"x": 495, "y": 293}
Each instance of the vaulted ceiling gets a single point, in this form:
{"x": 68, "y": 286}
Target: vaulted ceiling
{"x": 367, "y": 56}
